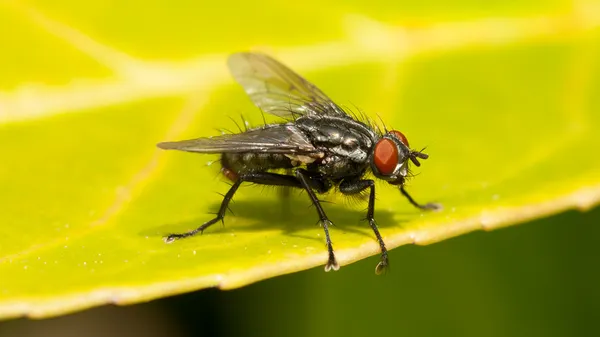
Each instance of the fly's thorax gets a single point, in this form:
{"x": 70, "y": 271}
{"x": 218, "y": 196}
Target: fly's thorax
{"x": 339, "y": 136}
{"x": 337, "y": 167}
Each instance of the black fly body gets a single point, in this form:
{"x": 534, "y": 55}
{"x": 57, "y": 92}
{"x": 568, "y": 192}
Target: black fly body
{"x": 320, "y": 146}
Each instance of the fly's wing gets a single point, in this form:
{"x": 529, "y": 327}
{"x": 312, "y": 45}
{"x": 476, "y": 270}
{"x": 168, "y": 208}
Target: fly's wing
{"x": 278, "y": 90}
{"x": 278, "y": 138}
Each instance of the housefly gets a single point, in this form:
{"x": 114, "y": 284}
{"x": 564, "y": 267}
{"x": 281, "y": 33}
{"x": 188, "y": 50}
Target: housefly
{"x": 318, "y": 146}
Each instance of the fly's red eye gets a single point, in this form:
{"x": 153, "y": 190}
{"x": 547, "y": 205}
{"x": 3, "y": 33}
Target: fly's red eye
{"x": 400, "y": 136}
{"x": 385, "y": 156}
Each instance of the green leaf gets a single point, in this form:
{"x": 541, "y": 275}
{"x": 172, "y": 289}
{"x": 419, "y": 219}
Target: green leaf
{"x": 505, "y": 99}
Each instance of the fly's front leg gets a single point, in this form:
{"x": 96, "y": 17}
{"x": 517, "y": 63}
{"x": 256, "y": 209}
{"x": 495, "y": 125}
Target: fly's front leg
{"x": 428, "y": 206}
{"x": 263, "y": 178}
{"x": 350, "y": 187}
{"x": 308, "y": 183}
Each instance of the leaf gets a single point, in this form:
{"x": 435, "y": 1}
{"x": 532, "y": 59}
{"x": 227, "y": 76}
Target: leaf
{"x": 506, "y": 102}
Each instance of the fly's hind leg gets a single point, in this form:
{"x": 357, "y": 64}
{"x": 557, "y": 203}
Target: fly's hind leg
{"x": 350, "y": 187}
{"x": 220, "y": 215}
{"x": 263, "y": 178}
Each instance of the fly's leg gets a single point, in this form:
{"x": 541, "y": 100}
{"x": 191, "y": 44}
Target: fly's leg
{"x": 349, "y": 187}
{"x": 428, "y": 206}
{"x": 302, "y": 180}
{"x": 308, "y": 183}
{"x": 220, "y": 215}
{"x": 263, "y": 178}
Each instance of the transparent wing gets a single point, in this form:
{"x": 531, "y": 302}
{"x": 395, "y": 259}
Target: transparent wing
{"x": 278, "y": 90}
{"x": 278, "y": 138}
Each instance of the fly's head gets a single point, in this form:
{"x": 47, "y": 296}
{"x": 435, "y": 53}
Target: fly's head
{"x": 390, "y": 157}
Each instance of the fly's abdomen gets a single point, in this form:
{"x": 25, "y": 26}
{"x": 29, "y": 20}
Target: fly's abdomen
{"x": 234, "y": 164}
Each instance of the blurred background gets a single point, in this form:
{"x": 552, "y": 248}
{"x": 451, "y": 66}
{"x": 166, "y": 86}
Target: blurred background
{"x": 538, "y": 278}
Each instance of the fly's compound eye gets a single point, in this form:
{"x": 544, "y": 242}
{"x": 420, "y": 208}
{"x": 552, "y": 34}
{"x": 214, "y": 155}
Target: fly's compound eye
{"x": 385, "y": 156}
{"x": 401, "y": 137}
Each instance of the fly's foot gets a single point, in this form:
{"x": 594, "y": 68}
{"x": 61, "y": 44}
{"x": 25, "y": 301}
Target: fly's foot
{"x": 432, "y": 206}
{"x": 172, "y": 237}
{"x": 383, "y": 266}
{"x": 332, "y": 264}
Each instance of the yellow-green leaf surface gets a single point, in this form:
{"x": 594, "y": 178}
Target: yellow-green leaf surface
{"x": 505, "y": 95}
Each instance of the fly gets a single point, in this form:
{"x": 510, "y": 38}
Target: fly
{"x": 319, "y": 145}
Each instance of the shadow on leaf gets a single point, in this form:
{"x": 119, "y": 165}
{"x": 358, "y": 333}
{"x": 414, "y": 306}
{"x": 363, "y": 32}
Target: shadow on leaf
{"x": 290, "y": 217}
